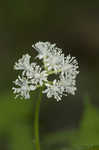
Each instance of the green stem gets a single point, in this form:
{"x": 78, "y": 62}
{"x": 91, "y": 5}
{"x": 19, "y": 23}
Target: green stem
{"x": 53, "y": 72}
{"x": 36, "y": 122}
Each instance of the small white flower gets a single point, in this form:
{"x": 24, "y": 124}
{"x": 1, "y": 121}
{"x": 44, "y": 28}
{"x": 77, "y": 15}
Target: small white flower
{"x": 54, "y": 89}
{"x": 40, "y": 77}
{"x": 54, "y": 62}
{"x": 43, "y": 48}
{"x": 67, "y": 83}
{"x": 51, "y": 55}
{"x": 24, "y": 87}
{"x": 23, "y": 63}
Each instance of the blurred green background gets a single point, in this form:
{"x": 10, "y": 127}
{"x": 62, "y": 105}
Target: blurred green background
{"x": 74, "y": 27}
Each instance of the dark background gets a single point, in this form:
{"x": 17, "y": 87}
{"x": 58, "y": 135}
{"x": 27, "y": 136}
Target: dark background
{"x": 74, "y": 27}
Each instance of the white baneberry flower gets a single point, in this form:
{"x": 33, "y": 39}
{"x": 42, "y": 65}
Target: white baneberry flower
{"x": 67, "y": 83}
{"x": 54, "y": 89}
{"x": 51, "y": 55}
{"x": 43, "y": 49}
{"x": 24, "y": 87}
{"x": 33, "y": 78}
{"x": 70, "y": 63}
{"x": 39, "y": 77}
{"x": 23, "y": 63}
{"x": 54, "y": 62}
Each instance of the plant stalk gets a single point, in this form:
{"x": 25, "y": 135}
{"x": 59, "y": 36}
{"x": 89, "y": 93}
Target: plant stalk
{"x": 36, "y": 122}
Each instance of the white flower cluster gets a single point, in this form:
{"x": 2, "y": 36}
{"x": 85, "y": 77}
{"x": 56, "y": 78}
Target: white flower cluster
{"x": 54, "y": 62}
